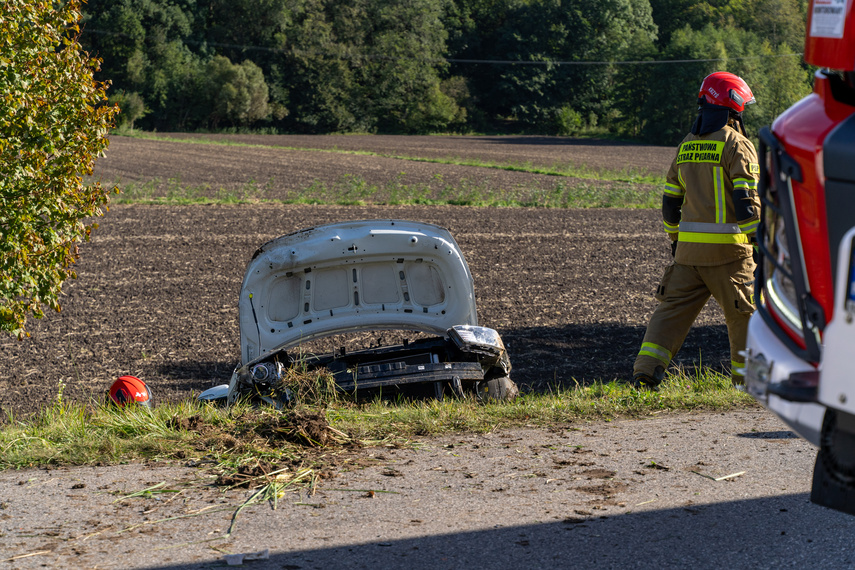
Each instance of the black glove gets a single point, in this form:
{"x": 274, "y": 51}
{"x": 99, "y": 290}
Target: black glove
{"x": 673, "y": 248}
{"x": 755, "y": 251}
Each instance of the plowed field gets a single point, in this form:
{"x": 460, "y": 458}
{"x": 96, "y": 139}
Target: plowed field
{"x": 156, "y": 294}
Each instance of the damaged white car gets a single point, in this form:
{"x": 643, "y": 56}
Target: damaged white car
{"x": 353, "y": 277}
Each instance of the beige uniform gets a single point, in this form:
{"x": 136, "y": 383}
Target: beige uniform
{"x": 710, "y": 206}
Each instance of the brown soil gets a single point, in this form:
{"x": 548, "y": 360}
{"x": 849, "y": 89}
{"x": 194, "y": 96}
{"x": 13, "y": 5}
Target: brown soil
{"x": 570, "y": 291}
{"x": 590, "y": 155}
{"x": 277, "y": 170}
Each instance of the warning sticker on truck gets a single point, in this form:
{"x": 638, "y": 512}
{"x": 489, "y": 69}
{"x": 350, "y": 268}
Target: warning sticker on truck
{"x": 828, "y": 18}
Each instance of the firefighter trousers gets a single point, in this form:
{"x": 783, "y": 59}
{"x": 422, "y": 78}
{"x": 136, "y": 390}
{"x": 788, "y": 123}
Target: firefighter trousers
{"x": 682, "y": 293}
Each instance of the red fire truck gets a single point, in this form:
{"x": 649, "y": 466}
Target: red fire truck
{"x": 801, "y": 341}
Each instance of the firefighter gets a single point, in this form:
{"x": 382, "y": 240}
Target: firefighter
{"x": 711, "y": 212}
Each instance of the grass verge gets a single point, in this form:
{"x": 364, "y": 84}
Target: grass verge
{"x": 352, "y": 190}
{"x": 233, "y": 439}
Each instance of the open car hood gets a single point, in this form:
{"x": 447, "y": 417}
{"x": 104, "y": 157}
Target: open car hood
{"x": 353, "y": 276}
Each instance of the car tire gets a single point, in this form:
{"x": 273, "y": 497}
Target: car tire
{"x": 497, "y": 389}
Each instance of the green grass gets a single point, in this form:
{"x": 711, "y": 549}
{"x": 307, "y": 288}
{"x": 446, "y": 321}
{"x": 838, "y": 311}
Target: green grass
{"x": 352, "y": 190}
{"x": 76, "y": 434}
{"x": 566, "y": 170}
{"x": 173, "y": 192}
{"x": 627, "y": 175}
{"x": 683, "y": 391}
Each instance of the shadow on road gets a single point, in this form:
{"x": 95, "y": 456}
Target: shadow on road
{"x": 773, "y": 532}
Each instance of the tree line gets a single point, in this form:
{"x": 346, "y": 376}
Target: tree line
{"x": 630, "y": 68}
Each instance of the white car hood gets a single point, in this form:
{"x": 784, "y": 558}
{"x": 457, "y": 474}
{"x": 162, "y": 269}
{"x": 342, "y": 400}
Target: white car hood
{"x": 353, "y": 276}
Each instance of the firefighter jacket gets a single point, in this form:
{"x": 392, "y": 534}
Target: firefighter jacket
{"x": 710, "y": 204}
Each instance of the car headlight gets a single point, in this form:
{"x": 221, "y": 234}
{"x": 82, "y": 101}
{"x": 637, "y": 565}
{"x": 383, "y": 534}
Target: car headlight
{"x": 485, "y": 344}
{"x": 468, "y": 338}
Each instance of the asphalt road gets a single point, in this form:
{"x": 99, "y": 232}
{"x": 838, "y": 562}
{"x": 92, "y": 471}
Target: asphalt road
{"x": 684, "y": 490}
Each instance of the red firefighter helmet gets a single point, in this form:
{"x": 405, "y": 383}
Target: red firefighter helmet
{"x": 727, "y": 90}
{"x": 130, "y": 389}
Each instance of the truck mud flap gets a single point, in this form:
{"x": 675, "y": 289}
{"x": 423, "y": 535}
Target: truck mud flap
{"x": 834, "y": 473}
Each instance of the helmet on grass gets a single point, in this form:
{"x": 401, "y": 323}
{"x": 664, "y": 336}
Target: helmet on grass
{"x": 130, "y": 389}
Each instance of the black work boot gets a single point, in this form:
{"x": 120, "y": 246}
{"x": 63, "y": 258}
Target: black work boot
{"x": 642, "y": 381}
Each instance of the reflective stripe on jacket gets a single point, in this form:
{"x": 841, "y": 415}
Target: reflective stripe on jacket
{"x": 710, "y": 203}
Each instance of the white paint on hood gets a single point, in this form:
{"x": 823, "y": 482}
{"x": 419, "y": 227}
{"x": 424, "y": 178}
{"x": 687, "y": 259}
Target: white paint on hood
{"x": 353, "y": 276}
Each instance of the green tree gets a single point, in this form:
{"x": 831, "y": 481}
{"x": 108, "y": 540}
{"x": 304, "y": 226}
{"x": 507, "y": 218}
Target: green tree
{"x": 318, "y": 69}
{"x": 367, "y": 65}
{"x": 131, "y": 107}
{"x": 52, "y": 127}
{"x": 400, "y": 79}
{"x": 672, "y": 99}
{"x": 228, "y": 26}
{"x": 633, "y": 87}
{"x": 237, "y": 93}
{"x": 146, "y": 47}
{"x": 774, "y": 74}
{"x": 537, "y": 32}
{"x": 776, "y": 21}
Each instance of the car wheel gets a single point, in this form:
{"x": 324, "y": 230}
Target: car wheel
{"x": 501, "y": 388}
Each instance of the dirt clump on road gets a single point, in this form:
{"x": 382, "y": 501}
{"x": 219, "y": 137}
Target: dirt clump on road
{"x": 302, "y": 427}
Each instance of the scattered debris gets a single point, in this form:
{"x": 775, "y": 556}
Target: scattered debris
{"x": 247, "y": 475}
{"x": 20, "y": 556}
{"x": 238, "y": 559}
{"x": 722, "y": 478}
{"x": 731, "y": 476}
{"x": 273, "y": 490}
{"x": 368, "y": 492}
{"x": 148, "y": 492}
